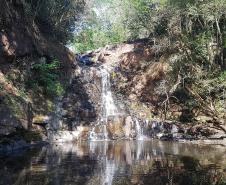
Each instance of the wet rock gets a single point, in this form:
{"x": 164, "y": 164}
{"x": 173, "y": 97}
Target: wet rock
{"x": 188, "y": 137}
{"x": 83, "y": 129}
{"x": 128, "y": 127}
{"x": 116, "y": 127}
{"x": 167, "y": 137}
{"x": 218, "y": 136}
{"x": 8, "y": 122}
{"x": 85, "y": 59}
{"x": 204, "y": 119}
{"x": 178, "y": 136}
{"x": 63, "y": 136}
{"x": 83, "y": 132}
{"x": 41, "y": 120}
{"x": 20, "y": 144}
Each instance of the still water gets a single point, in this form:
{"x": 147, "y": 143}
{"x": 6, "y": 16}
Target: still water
{"x": 116, "y": 163}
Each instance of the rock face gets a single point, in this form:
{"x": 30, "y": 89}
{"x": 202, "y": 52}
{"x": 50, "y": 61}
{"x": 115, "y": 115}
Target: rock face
{"x": 135, "y": 73}
{"x": 115, "y": 127}
{"x": 22, "y": 44}
{"x": 139, "y": 69}
{"x": 9, "y": 123}
{"x": 81, "y": 103}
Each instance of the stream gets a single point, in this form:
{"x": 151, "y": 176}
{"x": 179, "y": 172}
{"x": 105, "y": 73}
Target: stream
{"x": 116, "y": 163}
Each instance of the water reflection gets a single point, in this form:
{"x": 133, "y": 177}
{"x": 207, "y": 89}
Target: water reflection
{"x": 117, "y": 163}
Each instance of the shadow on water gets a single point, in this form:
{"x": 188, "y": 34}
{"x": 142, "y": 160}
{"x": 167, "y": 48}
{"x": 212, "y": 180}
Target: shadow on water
{"x": 117, "y": 163}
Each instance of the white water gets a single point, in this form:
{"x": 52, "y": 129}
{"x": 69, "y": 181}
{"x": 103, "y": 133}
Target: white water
{"x": 109, "y": 109}
{"x": 174, "y": 129}
{"x": 139, "y": 130}
{"x": 108, "y": 106}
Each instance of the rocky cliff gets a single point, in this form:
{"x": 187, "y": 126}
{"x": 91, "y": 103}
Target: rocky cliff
{"x": 23, "y": 45}
{"x": 140, "y": 70}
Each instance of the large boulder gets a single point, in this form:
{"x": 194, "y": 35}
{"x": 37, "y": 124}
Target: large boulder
{"x": 115, "y": 127}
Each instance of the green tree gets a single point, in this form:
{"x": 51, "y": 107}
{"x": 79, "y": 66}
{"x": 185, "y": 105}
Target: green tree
{"x": 55, "y": 17}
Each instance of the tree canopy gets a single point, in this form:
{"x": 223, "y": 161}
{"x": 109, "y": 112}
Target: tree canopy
{"x": 55, "y": 17}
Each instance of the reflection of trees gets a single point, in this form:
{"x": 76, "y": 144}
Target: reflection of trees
{"x": 130, "y": 163}
{"x": 186, "y": 171}
{"x": 14, "y": 168}
{"x": 52, "y": 167}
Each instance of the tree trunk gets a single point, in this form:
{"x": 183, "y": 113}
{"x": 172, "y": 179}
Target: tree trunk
{"x": 29, "y": 116}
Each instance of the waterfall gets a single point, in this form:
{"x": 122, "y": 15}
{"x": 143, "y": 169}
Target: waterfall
{"x": 139, "y": 130}
{"x": 108, "y": 106}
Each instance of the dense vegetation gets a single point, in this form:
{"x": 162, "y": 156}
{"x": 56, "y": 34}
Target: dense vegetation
{"x": 46, "y": 75}
{"x": 55, "y": 17}
{"x": 56, "y": 20}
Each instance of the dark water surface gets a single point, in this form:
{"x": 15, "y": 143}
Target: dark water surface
{"x": 116, "y": 163}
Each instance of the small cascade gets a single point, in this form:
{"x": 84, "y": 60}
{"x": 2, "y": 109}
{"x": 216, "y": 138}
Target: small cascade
{"x": 113, "y": 125}
{"x": 92, "y": 134}
{"x": 108, "y": 107}
{"x": 105, "y": 132}
{"x": 139, "y": 130}
{"x": 174, "y": 129}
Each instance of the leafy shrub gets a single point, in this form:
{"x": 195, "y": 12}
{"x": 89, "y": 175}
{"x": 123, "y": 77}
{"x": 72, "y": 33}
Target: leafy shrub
{"x": 45, "y": 76}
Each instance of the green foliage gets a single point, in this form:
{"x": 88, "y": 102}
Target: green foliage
{"x": 46, "y": 76}
{"x": 55, "y": 17}
{"x": 222, "y": 77}
{"x": 84, "y": 41}
{"x": 95, "y": 38}
{"x": 16, "y": 104}
{"x": 101, "y": 27}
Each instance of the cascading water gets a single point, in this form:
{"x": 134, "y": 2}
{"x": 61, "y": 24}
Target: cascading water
{"x": 174, "y": 129}
{"x": 139, "y": 130}
{"x": 108, "y": 107}
{"x": 109, "y": 113}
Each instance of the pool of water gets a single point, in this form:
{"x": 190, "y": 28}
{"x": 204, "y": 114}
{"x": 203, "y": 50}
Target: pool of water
{"x": 116, "y": 163}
